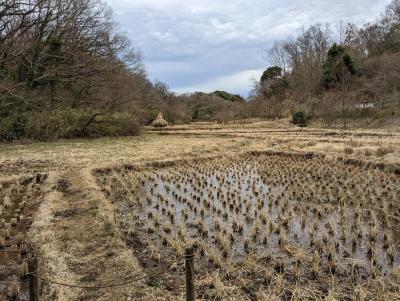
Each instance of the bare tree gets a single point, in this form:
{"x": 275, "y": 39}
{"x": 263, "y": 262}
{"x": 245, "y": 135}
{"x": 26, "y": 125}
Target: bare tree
{"x": 344, "y": 91}
{"x": 162, "y": 90}
{"x": 306, "y": 55}
{"x": 392, "y": 14}
{"x": 277, "y": 56}
{"x": 372, "y": 38}
{"x": 60, "y": 45}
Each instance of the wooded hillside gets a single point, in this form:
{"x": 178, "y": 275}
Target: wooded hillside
{"x": 68, "y": 70}
{"x": 336, "y": 73}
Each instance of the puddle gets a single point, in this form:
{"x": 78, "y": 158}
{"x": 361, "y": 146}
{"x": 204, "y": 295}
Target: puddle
{"x": 266, "y": 206}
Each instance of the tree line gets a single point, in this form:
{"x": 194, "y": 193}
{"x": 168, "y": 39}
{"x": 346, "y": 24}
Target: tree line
{"x": 68, "y": 70}
{"x": 327, "y": 72}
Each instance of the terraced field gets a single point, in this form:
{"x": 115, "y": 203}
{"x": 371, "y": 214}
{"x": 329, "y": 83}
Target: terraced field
{"x": 275, "y": 213}
{"x": 256, "y": 219}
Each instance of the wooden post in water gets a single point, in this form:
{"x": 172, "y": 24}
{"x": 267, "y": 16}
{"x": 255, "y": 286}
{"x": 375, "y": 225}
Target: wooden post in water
{"x": 33, "y": 280}
{"x": 189, "y": 269}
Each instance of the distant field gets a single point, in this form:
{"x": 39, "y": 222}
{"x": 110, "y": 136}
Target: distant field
{"x": 275, "y": 212}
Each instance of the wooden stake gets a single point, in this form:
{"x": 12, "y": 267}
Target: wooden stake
{"x": 33, "y": 280}
{"x": 189, "y": 269}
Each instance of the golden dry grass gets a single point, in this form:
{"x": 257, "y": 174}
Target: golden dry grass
{"x": 330, "y": 187}
{"x": 75, "y": 248}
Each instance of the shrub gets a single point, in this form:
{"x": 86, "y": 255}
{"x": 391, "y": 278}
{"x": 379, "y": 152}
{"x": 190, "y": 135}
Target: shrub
{"x": 116, "y": 124}
{"x": 13, "y": 127}
{"x": 55, "y": 124}
{"x": 300, "y": 119}
{"x": 66, "y": 122}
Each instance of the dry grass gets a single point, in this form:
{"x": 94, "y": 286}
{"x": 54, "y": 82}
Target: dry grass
{"x": 77, "y": 247}
{"x": 195, "y": 140}
{"x": 84, "y": 246}
{"x": 269, "y": 196}
{"x": 75, "y": 154}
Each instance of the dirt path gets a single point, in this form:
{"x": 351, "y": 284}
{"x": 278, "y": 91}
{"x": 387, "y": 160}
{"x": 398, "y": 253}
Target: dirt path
{"x": 78, "y": 242}
{"x": 74, "y": 230}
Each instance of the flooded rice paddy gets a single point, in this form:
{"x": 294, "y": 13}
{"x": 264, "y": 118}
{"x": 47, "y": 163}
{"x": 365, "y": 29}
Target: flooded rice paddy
{"x": 304, "y": 218}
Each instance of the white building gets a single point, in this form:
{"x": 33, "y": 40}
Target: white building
{"x": 365, "y": 105}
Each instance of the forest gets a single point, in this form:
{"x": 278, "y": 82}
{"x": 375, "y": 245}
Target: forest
{"x": 336, "y": 74}
{"x": 67, "y": 70}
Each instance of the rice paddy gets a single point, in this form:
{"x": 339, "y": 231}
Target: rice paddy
{"x": 274, "y": 213}
{"x": 18, "y": 198}
{"x": 267, "y": 225}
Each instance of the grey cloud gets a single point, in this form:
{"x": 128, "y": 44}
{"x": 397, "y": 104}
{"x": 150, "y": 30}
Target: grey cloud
{"x": 194, "y": 43}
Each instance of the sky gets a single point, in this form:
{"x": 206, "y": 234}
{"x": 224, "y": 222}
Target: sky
{"x": 208, "y": 45}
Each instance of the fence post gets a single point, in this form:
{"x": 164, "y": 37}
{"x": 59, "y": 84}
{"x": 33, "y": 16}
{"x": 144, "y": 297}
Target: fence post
{"x": 33, "y": 280}
{"x": 189, "y": 269}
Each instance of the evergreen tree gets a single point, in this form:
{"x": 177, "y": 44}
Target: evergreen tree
{"x": 271, "y": 73}
{"x": 337, "y": 63}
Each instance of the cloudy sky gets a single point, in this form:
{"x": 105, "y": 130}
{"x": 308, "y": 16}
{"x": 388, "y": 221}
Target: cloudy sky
{"x": 205, "y": 45}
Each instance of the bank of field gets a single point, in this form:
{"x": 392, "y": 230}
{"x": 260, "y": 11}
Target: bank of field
{"x": 273, "y": 212}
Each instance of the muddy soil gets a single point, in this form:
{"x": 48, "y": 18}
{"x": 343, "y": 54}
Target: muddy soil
{"x": 315, "y": 210}
{"x": 19, "y": 200}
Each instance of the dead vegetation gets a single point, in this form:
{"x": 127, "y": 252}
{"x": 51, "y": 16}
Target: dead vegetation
{"x": 78, "y": 237}
{"x": 283, "y": 226}
{"x": 19, "y": 198}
